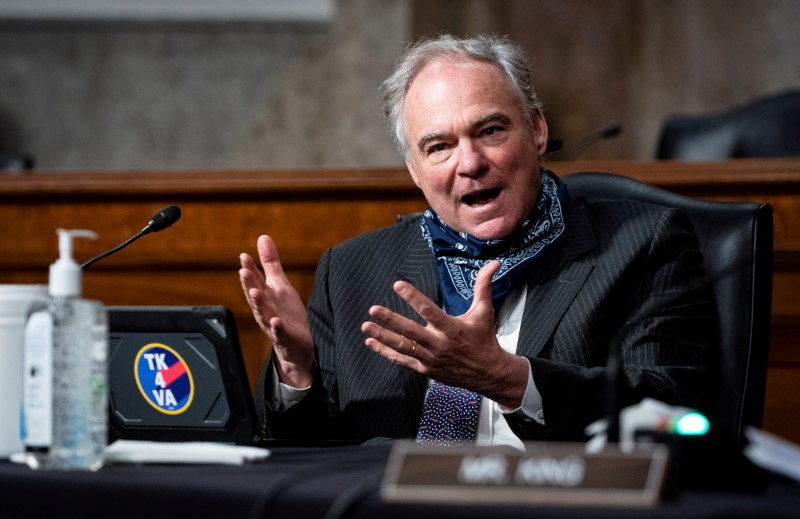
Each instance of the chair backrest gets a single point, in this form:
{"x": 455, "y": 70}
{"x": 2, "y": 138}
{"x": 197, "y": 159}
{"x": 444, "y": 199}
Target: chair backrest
{"x": 736, "y": 241}
{"x": 765, "y": 127}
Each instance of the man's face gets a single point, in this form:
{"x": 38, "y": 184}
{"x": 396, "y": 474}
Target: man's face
{"x": 470, "y": 149}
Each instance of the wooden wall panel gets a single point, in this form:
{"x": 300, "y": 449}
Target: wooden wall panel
{"x": 195, "y": 262}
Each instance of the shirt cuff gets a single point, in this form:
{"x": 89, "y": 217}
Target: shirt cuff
{"x": 531, "y": 402}
{"x": 284, "y": 396}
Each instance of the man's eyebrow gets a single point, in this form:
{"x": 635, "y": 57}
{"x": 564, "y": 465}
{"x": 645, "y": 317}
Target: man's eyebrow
{"x": 492, "y": 117}
{"x": 498, "y": 117}
{"x": 430, "y": 137}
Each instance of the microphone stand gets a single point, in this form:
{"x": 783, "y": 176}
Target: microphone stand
{"x": 119, "y": 247}
{"x": 613, "y": 406}
{"x": 161, "y": 220}
{"x": 606, "y": 131}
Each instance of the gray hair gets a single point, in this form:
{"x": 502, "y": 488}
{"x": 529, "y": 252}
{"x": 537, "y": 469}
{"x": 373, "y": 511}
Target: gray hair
{"x": 496, "y": 50}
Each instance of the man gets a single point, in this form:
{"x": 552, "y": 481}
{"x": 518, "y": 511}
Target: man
{"x": 500, "y": 303}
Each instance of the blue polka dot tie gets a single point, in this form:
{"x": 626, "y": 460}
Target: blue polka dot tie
{"x": 449, "y": 415}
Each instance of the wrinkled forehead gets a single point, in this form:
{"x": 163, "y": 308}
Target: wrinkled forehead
{"x": 468, "y": 87}
{"x": 452, "y": 70}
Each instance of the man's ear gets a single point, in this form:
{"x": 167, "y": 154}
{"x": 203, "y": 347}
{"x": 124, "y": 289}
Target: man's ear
{"x": 540, "y": 131}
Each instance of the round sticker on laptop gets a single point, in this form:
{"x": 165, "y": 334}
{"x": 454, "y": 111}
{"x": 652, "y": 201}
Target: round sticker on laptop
{"x": 164, "y": 378}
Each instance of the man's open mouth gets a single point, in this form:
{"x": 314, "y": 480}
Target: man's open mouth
{"x": 481, "y": 197}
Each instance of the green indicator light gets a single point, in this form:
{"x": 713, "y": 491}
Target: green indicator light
{"x": 692, "y": 424}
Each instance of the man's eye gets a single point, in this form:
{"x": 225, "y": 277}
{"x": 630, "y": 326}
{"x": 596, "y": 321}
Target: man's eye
{"x": 491, "y": 130}
{"x": 436, "y": 148}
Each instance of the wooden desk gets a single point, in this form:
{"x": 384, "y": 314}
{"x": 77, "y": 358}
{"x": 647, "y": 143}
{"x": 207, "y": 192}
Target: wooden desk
{"x": 306, "y": 211}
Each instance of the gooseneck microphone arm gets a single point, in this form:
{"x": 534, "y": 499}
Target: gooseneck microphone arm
{"x": 613, "y": 382}
{"x": 160, "y": 221}
{"x": 112, "y": 251}
{"x": 608, "y": 130}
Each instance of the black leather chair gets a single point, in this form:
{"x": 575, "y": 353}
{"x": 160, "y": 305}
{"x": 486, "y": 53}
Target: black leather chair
{"x": 765, "y": 127}
{"x": 14, "y": 162}
{"x": 736, "y": 240}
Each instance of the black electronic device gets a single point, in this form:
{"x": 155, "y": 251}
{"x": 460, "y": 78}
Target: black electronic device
{"x": 176, "y": 373}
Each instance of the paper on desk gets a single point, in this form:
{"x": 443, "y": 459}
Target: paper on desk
{"x": 131, "y": 451}
{"x": 772, "y": 453}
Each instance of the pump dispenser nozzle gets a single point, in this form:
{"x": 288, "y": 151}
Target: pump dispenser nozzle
{"x": 65, "y": 274}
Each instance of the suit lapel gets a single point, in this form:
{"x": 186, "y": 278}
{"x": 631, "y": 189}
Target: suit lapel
{"x": 553, "y": 285}
{"x": 417, "y": 268}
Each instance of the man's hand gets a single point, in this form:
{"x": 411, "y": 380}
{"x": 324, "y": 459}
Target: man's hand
{"x": 280, "y": 313}
{"x": 458, "y": 351}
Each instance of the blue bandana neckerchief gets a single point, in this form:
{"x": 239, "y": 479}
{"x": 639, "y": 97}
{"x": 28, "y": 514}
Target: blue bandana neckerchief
{"x": 460, "y": 256}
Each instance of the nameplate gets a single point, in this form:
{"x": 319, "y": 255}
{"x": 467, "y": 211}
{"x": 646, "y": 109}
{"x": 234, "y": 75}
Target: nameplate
{"x": 560, "y": 474}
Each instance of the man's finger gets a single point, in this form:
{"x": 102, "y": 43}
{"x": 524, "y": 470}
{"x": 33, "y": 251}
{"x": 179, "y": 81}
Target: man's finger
{"x": 249, "y": 276}
{"x": 396, "y": 322}
{"x": 422, "y": 305}
{"x": 396, "y": 357}
{"x": 398, "y": 341}
{"x": 268, "y": 255}
{"x": 483, "y": 284}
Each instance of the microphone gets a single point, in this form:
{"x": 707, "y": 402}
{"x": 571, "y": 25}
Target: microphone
{"x": 614, "y": 385}
{"x": 608, "y": 130}
{"x": 160, "y": 221}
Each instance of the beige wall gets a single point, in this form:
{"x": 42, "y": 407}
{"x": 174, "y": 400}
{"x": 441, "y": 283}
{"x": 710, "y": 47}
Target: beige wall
{"x": 215, "y": 96}
{"x": 117, "y": 96}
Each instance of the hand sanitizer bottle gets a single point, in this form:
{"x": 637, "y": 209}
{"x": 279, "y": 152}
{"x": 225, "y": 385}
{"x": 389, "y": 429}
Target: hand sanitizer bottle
{"x": 65, "y": 398}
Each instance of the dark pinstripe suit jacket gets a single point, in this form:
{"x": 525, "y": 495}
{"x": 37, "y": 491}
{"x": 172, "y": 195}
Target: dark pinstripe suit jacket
{"x": 624, "y": 273}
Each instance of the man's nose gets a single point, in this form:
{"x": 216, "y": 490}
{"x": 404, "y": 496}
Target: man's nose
{"x": 471, "y": 161}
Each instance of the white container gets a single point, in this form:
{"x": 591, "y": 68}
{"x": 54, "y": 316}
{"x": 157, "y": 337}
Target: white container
{"x": 15, "y": 300}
